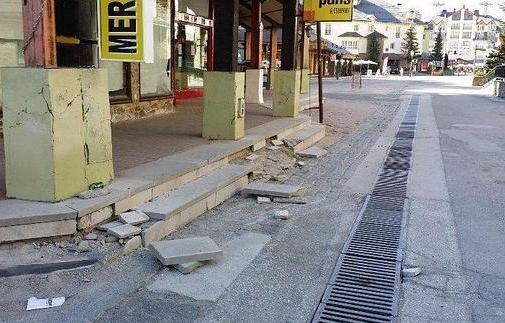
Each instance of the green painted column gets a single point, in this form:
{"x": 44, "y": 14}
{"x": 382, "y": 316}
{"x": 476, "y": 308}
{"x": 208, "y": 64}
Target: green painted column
{"x": 305, "y": 81}
{"x": 57, "y": 132}
{"x": 224, "y": 105}
{"x": 271, "y": 78}
{"x": 286, "y": 98}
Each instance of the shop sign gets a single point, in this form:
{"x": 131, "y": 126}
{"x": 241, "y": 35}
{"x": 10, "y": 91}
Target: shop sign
{"x": 328, "y": 10}
{"x": 126, "y": 30}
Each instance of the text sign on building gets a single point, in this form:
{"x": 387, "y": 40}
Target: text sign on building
{"x": 126, "y": 30}
{"x": 327, "y": 10}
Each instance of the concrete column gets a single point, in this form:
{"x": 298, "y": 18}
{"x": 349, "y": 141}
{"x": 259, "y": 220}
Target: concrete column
{"x": 286, "y": 98}
{"x": 305, "y": 86}
{"x": 57, "y": 132}
{"x": 224, "y": 112}
{"x": 254, "y": 86}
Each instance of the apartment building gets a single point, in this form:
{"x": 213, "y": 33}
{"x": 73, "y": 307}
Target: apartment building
{"x": 377, "y": 17}
{"x": 468, "y": 35}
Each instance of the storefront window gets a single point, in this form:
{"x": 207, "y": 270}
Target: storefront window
{"x": 117, "y": 78}
{"x": 194, "y": 7}
{"x": 155, "y": 77}
{"x": 191, "y": 56}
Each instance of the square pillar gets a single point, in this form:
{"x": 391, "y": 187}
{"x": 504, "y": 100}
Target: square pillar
{"x": 286, "y": 100}
{"x": 305, "y": 86}
{"x": 57, "y": 132}
{"x": 254, "y": 86}
{"x": 223, "y": 115}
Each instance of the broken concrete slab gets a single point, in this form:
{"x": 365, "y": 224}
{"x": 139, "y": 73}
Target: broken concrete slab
{"x": 124, "y": 231}
{"x": 172, "y": 252}
{"x": 131, "y": 245}
{"x": 263, "y": 200}
{"x": 289, "y": 200}
{"x": 17, "y": 212}
{"x": 252, "y": 157}
{"x": 37, "y": 230}
{"x": 271, "y": 189}
{"x": 313, "y": 152}
{"x": 212, "y": 280}
{"x": 108, "y": 225}
{"x": 411, "y": 272}
{"x": 133, "y": 217}
{"x": 189, "y": 267}
{"x": 277, "y": 142}
{"x": 274, "y": 148}
{"x": 281, "y": 214}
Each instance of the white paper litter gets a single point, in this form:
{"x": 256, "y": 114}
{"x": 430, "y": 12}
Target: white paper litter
{"x": 37, "y": 304}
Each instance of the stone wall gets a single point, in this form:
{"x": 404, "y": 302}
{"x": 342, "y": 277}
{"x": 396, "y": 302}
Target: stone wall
{"x": 142, "y": 109}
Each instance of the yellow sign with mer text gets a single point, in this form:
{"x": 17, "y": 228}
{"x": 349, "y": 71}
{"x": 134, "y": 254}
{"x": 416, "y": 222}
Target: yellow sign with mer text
{"x": 121, "y": 30}
{"x": 327, "y": 10}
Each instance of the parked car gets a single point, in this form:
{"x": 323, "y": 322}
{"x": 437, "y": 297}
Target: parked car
{"x": 394, "y": 69}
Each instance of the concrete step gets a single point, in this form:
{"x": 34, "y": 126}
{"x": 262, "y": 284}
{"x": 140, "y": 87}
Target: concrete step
{"x": 192, "y": 200}
{"x": 23, "y": 220}
{"x": 306, "y": 137}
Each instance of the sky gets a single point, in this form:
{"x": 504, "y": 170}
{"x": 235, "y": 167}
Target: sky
{"x": 427, "y": 10}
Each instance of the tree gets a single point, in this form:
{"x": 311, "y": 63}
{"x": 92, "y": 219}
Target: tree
{"x": 374, "y": 49}
{"x": 410, "y": 45}
{"x": 437, "y": 53}
{"x": 497, "y": 56}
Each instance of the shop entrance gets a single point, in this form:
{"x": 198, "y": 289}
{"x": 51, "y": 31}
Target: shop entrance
{"x": 192, "y": 50}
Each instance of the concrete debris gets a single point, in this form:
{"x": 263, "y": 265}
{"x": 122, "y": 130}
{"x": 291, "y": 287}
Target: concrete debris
{"x": 189, "y": 267}
{"x": 134, "y": 217}
{"x": 124, "y": 231}
{"x": 273, "y": 148}
{"x": 252, "y": 157}
{"x": 292, "y": 200}
{"x": 290, "y": 142}
{"x": 301, "y": 164}
{"x": 132, "y": 245}
{"x": 411, "y": 272}
{"x": 90, "y": 194}
{"x": 257, "y": 173}
{"x": 110, "y": 239}
{"x": 263, "y": 200}
{"x": 313, "y": 152}
{"x": 281, "y": 178}
{"x": 277, "y": 142}
{"x": 42, "y": 303}
{"x": 109, "y": 225}
{"x": 173, "y": 252}
{"x": 282, "y": 214}
{"x": 83, "y": 246}
{"x": 271, "y": 189}
{"x": 91, "y": 236}
{"x": 274, "y": 158}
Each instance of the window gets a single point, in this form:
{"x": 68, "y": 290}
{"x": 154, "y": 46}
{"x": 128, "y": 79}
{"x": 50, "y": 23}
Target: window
{"x": 466, "y": 43}
{"x": 467, "y": 26}
{"x": 356, "y": 27}
{"x": 155, "y": 78}
{"x": 392, "y": 45}
{"x": 454, "y": 34}
{"x": 456, "y": 26}
{"x": 327, "y": 29}
{"x": 371, "y": 28}
{"x": 467, "y": 35}
{"x": 350, "y": 44}
{"x": 398, "y": 32}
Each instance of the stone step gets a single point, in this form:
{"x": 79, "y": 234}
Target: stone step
{"x": 192, "y": 200}
{"x": 306, "y": 137}
{"x": 24, "y": 220}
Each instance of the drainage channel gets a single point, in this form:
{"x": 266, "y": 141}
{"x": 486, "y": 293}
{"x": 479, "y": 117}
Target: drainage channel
{"x": 365, "y": 285}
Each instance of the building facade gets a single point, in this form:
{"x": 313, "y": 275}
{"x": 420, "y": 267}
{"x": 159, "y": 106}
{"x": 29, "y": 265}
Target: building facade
{"x": 375, "y": 16}
{"x": 468, "y": 35}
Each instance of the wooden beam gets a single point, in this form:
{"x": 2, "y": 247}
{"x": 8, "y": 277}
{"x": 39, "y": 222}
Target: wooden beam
{"x": 39, "y": 33}
{"x": 226, "y": 22}
{"x": 256, "y": 35}
{"x": 273, "y": 47}
{"x": 289, "y": 34}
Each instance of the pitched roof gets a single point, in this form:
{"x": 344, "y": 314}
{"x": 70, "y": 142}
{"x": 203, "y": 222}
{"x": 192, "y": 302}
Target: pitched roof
{"x": 381, "y": 10}
{"x": 351, "y": 34}
{"x": 378, "y": 34}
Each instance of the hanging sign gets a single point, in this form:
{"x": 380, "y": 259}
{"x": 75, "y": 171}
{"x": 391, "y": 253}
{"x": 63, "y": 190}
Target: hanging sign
{"x": 126, "y": 30}
{"x": 327, "y": 10}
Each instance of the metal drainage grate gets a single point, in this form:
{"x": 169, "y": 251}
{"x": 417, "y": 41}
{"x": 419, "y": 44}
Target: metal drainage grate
{"x": 365, "y": 285}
